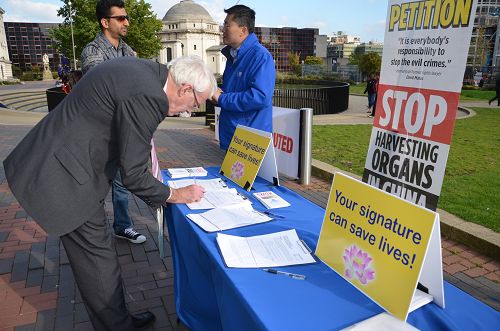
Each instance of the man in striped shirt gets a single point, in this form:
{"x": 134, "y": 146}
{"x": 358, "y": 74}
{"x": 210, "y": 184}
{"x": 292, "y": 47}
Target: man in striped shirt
{"x": 108, "y": 44}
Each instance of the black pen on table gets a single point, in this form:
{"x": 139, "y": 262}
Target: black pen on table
{"x": 273, "y": 215}
{"x": 289, "y": 274}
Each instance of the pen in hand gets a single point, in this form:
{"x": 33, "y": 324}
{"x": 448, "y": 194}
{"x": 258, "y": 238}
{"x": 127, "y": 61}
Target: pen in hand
{"x": 289, "y": 274}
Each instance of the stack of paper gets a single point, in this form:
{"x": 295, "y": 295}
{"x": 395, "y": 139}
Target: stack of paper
{"x": 207, "y": 184}
{"x": 219, "y": 198}
{"x": 269, "y": 250}
{"x": 187, "y": 172}
{"x": 271, "y": 199}
{"x": 230, "y": 217}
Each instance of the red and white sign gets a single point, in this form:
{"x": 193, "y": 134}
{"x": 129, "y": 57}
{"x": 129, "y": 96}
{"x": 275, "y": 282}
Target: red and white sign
{"x": 425, "y": 50}
{"x": 286, "y": 139}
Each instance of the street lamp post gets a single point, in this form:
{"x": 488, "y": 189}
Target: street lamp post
{"x": 72, "y": 37}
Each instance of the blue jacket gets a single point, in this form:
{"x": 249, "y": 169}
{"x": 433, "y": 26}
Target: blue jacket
{"x": 248, "y": 85}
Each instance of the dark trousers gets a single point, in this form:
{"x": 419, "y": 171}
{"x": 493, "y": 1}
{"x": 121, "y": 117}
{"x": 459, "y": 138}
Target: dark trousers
{"x": 374, "y": 106}
{"x": 496, "y": 97}
{"x": 97, "y": 273}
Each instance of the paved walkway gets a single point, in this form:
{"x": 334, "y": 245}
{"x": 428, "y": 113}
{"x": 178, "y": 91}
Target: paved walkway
{"x": 37, "y": 289}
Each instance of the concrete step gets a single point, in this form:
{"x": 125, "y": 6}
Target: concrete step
{"x": 24, "y": 99}
{"x": 28, "y": 100}
{"x": 7, "y": 94}
{"x": 30, "y": 105}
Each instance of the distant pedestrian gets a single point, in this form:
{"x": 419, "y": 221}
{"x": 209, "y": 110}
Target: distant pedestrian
{"x": 497, "y": 91}
{"x": 481, "y": 81}
{"x": 60, "y": 71}
{"x": 371, "y": 88}
{"x": 374, "y": 106}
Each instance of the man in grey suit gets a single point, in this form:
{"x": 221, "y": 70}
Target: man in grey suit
{"x": 62, "y": 170}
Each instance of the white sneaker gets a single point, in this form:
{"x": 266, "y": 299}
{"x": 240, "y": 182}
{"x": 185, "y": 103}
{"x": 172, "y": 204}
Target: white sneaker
{"x": 131, "y": 235}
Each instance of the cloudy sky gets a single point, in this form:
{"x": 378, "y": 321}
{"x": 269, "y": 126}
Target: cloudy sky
{"x": 364, "y": 18}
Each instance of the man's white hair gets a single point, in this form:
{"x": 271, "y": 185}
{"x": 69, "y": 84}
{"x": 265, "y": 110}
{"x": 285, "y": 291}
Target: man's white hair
{"x": 192, "y": 70}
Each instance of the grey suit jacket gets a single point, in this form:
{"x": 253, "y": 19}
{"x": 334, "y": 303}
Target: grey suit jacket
{"x": 62, "y": 170}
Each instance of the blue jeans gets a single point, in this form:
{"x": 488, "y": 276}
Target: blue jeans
{"x": 371, "y": 99}
{"x": 119, "y": 195}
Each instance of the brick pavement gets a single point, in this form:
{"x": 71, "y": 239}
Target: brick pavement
{"x": 37, "y": 289}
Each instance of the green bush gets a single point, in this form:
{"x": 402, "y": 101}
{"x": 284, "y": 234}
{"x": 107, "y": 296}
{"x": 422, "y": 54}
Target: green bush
{"x": 10, "y": 82}
{"x": 470, "y": 87}
{"x": 17, "y": 72}
{"x": 283, "y": 78}
{"x": 30, "y": 76}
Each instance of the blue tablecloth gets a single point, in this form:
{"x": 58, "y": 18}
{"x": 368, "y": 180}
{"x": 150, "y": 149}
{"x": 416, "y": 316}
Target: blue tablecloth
{"x": 210, "y": 296}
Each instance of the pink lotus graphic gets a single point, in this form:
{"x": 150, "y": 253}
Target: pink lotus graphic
{"x": 237, "y": 170}
{"x": 357, "y": 265}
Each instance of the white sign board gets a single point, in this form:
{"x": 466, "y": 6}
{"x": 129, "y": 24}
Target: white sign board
{"x": 286, "y": 139}
{"x": 425, "y": 50}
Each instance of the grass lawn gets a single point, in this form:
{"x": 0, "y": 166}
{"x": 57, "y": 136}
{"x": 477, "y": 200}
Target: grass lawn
{"x": 471, "y": 185}
{"x": 476, "y": 95}
{"x": 357, "y": 89}
{"x": 464, "y": 95}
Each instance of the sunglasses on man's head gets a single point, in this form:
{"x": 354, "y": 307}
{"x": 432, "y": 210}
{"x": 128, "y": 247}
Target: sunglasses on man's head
{"x": 120, "y": 18}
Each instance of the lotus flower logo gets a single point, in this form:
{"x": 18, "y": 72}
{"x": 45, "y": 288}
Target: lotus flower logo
{"x": 357, "y": 265}
{"x": 237, "y": 170}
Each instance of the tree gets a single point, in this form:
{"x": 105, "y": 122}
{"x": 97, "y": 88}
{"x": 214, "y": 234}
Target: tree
{"x": 144, "y": 28}
{"x": 355, "y": 57}
{"x": 313, "y": 60}
{"x": 370, "y": 62}
{"x": 142, "y": 32}
{"x": 294, "y": 61}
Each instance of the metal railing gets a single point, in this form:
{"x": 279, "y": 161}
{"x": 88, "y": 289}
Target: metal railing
{"x": 330, "y": 99}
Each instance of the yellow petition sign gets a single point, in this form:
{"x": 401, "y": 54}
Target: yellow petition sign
{"x": 376, "y": 241}
{"x": 244, "y": 157}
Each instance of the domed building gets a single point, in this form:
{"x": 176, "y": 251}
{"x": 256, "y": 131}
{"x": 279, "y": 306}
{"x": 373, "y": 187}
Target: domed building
{"x": 188, "y": 29}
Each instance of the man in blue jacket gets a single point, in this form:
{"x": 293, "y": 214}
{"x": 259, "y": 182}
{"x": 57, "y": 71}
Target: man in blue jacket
{"x": 248, "y": 81}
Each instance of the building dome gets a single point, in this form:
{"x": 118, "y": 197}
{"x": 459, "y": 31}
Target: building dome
{"x": 187, "y": 10}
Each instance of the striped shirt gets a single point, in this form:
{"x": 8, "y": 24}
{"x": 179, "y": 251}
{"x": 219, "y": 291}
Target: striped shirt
{"x": 100, "y": 50}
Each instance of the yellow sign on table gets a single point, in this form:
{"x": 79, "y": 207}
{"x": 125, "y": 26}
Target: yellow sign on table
{"x": 245, "y": 156}
{"x": 376, "y": 241}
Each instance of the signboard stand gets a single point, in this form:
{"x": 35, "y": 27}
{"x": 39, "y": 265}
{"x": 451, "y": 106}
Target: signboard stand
{"x": 250, "y": 152}
{"x": 383, "y": 245}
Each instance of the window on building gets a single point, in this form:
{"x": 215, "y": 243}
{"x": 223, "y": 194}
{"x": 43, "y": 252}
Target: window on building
{"x": 169, "y": 54}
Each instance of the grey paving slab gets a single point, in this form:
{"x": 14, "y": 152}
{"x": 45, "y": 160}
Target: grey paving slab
{"x": 20, "y": 267}
{"x": 35, "y": 277}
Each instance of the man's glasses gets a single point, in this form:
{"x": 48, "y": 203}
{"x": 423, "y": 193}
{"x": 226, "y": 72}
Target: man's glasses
{"x": 196, "y": 103}
{"x": 120, "y": 18}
